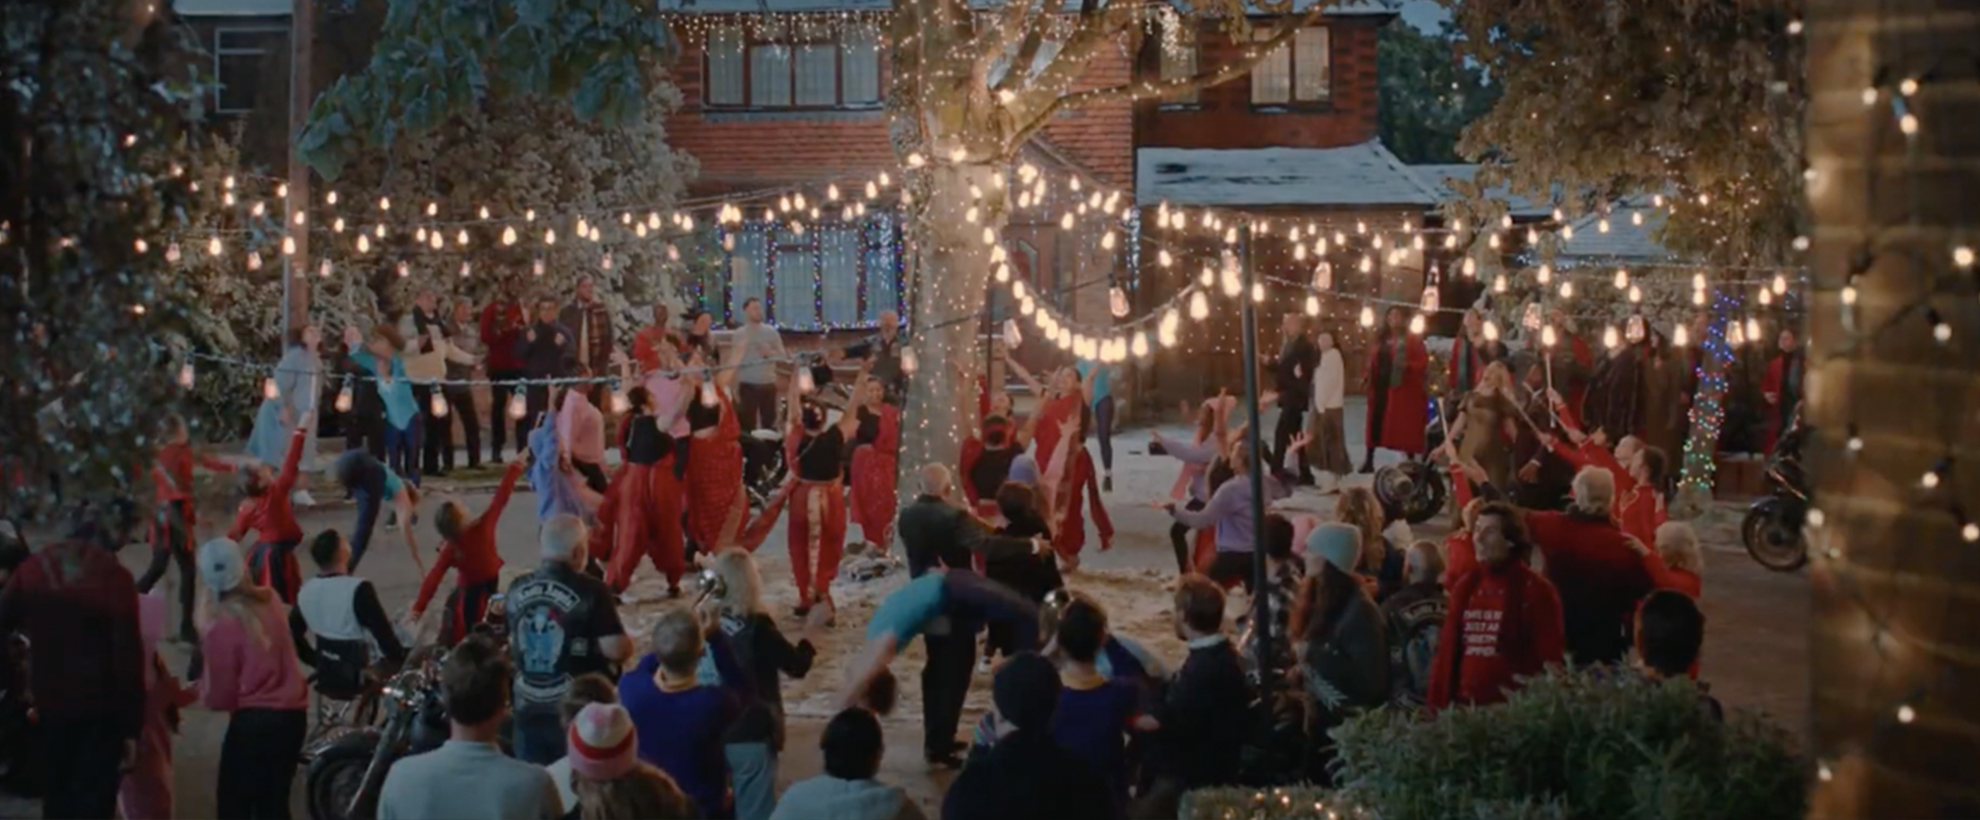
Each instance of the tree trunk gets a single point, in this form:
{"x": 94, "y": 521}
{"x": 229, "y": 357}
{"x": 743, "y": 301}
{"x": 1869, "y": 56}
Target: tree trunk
{"x": 1895, "y": 653}
{"x": 951, "y": 273}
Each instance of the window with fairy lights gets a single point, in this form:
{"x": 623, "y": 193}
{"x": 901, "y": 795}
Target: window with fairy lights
{"x": 745, "y": 73}
{"x": 1297, "y": 73}
{"x": 834, "y": 276}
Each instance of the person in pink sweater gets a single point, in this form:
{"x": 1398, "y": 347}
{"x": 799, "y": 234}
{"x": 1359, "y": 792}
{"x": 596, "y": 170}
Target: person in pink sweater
{"x": 581, "y": 438}
{"x": 146, "y": 793}
{"x": 251, "y": 671}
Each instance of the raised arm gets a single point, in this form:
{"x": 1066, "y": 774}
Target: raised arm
{"x": 1030, "y": 382}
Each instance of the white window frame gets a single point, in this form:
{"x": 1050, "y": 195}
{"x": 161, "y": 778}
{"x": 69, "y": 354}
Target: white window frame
{"x": 223, "y": 52}
{"x": 1299, "y": 85}
{"x": 853, "y": 46}
{"x": 735, "y": 52}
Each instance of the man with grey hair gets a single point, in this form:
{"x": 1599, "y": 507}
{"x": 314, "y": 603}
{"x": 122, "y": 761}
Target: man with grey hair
{"x": 938, "y": 531}
{"x": 1590, "y": 561}
{"x": 882, "y": 354}
{"x": 562, "y": 623}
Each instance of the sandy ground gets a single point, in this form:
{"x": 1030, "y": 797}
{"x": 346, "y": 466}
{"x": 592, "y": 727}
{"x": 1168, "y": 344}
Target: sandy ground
{"x": 1755, "y": 651}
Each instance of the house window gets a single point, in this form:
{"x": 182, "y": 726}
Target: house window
{"x": 742, "y": 74}
{"x": 1296, "y": 72}
{"x": 240, "y": 57}
{"x": 1178, "y": 48}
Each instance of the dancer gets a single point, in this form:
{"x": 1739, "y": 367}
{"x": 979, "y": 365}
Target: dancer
{"x": 266, "y": 510}
{"x": 176, "y": 516}
{"x": 1639, "y": 476}
{"x": 1072, "y": 472}
{"x": 875, "y": 455}
{"x": 642, "y": 512}
{"x": 1484, "y": 428}
{"x": 1397, "y": 403}
{"x": 375, "y": 485}
{"x": 817, "y": 523}
{"x": 716, "y": 504}
{"x": 558, "y": 491}
{"x": 1066, "y": 400}
{"x": 987, "y": 457}
{"x": 298, "y": 377}
{"x": 1100, "y": 378}
{"x": 1195, "y": 482}
{"x": 1326, "y": 426}
{"x": 1293, "y": 377}
{"x": 468, "y": 546}
{"x": 581, "y": 437}
{"x": 380, "y": 355}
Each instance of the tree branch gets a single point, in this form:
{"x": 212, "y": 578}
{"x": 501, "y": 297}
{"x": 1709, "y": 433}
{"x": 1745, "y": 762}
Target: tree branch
{"x": 1034, "y": 39}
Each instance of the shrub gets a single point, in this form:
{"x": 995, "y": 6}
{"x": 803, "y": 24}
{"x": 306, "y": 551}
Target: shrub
{"x": 1580, "y": 745}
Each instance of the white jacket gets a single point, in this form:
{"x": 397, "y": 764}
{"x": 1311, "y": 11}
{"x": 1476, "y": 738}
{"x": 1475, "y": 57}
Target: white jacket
{"x": 1329, "y": 381}
{"x": 429, "y": 366}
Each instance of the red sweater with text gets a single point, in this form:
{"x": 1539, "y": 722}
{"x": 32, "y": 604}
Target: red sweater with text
{"x": 1503, "y": 624}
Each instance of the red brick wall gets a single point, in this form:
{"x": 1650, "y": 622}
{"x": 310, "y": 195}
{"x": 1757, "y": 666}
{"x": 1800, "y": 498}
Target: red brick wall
{"x": 1224, "y": 117}
{"x": 1101, "y": 137}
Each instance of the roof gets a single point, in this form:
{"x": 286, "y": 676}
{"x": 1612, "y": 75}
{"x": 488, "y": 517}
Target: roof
{"x": 1441, "y": 177}
{"x": 233, "y": 8}
{"x": 1340, "y": 8}
{"x": 1625, "y": 239}
{"x": 1350, "y": 176}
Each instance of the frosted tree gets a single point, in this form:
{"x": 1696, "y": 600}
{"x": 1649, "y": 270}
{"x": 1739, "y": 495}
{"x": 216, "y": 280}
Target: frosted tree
{"x": 955, "y": 106}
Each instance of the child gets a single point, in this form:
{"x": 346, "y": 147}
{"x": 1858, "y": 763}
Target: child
{"x": 469, "y": 546}
{"x": 681, "y": 722}
{"x": 147, "y": 789}
{"x": 267, "y": 510}
{"x": 380, "y": 355}
{"x": 172, "y": 529}
{"x": 375, "y": 485}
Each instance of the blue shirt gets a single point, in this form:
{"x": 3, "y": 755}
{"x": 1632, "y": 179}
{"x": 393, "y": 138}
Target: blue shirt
{"x": 393, "y": 483}
{"x": 1101, "y": 388}
{"x": 680, "y": 733}
{"x": 1092, "y": 724}
{"x": 397, "y": 393}
{"x": 907, "y": 613}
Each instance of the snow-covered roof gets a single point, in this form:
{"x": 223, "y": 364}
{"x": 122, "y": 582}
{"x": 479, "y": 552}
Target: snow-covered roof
{"x": 1441, "y": 177}
{"x": 1355, "y": 175}
{"x": 233, "y": 8}
{"x": 1339, "y": 8}
{"x": 1625, "y": 239}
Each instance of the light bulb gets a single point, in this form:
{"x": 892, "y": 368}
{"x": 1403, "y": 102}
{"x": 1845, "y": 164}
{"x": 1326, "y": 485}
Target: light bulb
{"x": 1107, "y": 240}
{"x": 213, "y": 247}
{"x": 1499, "y": 283}
{"x": 432, "y": 209}
{"x": 909, "y": 361}
{"x": 509, "y": 235}
{"x": 915, "y": 160}
{"x": 404, "y": 270}
{"x": 436, "y": 242}
{"x": 536, "y": 267}
{"x": 1766, "y": 297}
{"x": 1166, "y": 334}
{"x": 1312, "y": 305}
{"x": 1753, "y": 328}
{"x": 1622, "y": 279}
{"x": 1635, "y": 294}
{"x": 1963, "y": 256}
{"x": 461, "y": 238}
{"x": 1258, "y": 292}
{"x": 172, "y": 252}
{"x": 1636, "y": 218}
{"x": 438, "y": 406}
{"x": 708, "y": 396}
{"x": 384, "y": 203}
{"x": 254, "y": 260}
{"x": 1232, "y": 285}
{"x": 1548, "y": 338}
{"x": 323, "y": 268}
{"x": 1602, "y": 226}
{"x": 1849, "y": 295}
{"x": 343, "y": 403}
{"x": 186, "y": 376}
{"x": 363, "y": 244}
{"x": 1680, "y": 336}
{"x": 465, "y": 270}
{"x": 1066, "y": 221}
{"x": 1470, "y": 268}
{"x": 1163, "y": 258}
{"x": 1491, "y": 331}
{"x": 1013, "y": 336}
{"x": 1323, "y": 276}
{"x": 1416, "y": 324}
{"x": 1567, "y": 289}
{"x": 1199, "y": 305}
{"x": 1003, "y": 273}
{"x": 1117, "y": 301}
{"x": 1610, "y": 338}
{"x": 270, "y": 390}
{"x": 1140, "y": 346}
{"x": 1367, "y": 316}
{"x": 1780, "y": 284}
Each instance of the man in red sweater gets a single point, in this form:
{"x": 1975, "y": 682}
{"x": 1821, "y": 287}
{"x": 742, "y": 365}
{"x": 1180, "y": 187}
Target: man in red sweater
{"x": 1589, "y": 559}
{"x": 1504, "y": 620}
{"x": 502, "y": 324}
{"x": 469, "y": 548}
{"x": 78, "y": 608}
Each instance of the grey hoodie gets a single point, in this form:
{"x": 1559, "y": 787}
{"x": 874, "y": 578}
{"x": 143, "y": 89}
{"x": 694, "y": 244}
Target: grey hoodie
{"x": 828, "y": 798}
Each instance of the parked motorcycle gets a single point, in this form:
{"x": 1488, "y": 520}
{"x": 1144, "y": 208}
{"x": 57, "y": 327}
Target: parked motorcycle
{"x": 347, "y": 771}
{"x": 1416, "y": 488}
{"x": 1772, "y": 530}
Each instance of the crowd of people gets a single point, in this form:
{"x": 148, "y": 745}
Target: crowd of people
{"x": 575, "y": 717}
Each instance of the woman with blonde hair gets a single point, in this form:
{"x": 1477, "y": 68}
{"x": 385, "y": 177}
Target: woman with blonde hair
{"x": 1676, "y": 562}
{"x": 755, "y": 739}
{"x": 607, "y": 776}
{"x": 250, "y": 671}
{"x": 1483, "y": 430}
{"x": 1380, "y": 567}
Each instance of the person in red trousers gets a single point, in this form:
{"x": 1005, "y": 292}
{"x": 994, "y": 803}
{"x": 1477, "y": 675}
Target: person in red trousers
{"x": 1504, "y": 620}
{"x": 817, "y": 523}
{"x": 876, "y": 454}
{"x": 1071, "y": 474}
{"x": 641, "y": 516}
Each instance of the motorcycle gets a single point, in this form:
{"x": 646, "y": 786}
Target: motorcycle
{"x": 1772, "y": 531}
{"x": 1416, "y": 488}
{"x": 347, "y": 770}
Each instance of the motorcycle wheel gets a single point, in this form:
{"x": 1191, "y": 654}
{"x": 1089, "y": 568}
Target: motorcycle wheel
{"x": 1769, "y": 539}
{"x": 335, "y": 776}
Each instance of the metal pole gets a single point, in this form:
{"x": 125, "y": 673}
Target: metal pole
{"x": 295, "y": 268}
{"x": 1261, "y": 620}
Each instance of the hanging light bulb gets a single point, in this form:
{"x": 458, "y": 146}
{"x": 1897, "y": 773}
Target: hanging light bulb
{"x": 1492, "y": 241}
{"x": 1258, "y": 292}
{"x": 1232, "y": 284}
{"x": 1547, "y": 336}
{"x": 172, "y": 252}
{"x": 1470, "y": 268}
{"x": 1199, "y": 305}
{"x": 1066, "y": 221}
{"x": 1610, "y": 338}
{"x": 1491, "y": 330}
{"x": 1622, "y": 279}
{"x": 432, "y": 209}
{"x": 1012, "y": 335}
{"x": 1367, "y": 316}
{"x": 1780, "y": 284}
{"x": 1765, "y": 296}
{"x": 1567, "y": 289}
{"x": 1680, "y": 336}
{"x": 1753, "y": 329}
{"x": 517, "y": 409}
{"x": 1735, "y": 334}
{"x": 1139, "y": 347}
{"x": 438, "y": 406}
{"x": 465, "y": 269}
{"x": 1635, "y": 295}
{"x": 363, "y": 244}
{"x": 1636, "y": 218}
{"x": 270, "y": 390}
{"x": 1698, "y": 298}
{"x": 323, "y": 268}
{"x": 1634, "y": 330}
{"x": 1416, "y": 324}
{"x": 1166, "y": 335}
{"x": 909, "y": 361}
{"x": 1532, "y": 236}
{"x": 1026, "y": 306}
{"x": 435, "y": 241}
{"x": 343, "y": 403}
{"x": 186, "y": 376}
{"x": 461, "y": 238}
{"x": 1107, "y": 241}
{"x": 404, "y": 269}
{"x": 1163, "y": 258}
{"x": 213, "y": 247}
{"x": 549, "y": 236}
{"x": 254, "y": 260}
{"x": 1117, "y": 301}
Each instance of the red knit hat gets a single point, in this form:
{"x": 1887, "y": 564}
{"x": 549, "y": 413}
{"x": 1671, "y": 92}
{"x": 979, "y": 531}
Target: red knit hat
{"x": 602, "y": 743}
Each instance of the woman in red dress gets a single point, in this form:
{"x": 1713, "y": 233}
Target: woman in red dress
{"x": 817, "y": 522}
{"x": 1398, "y": 401}
{"x": 1074, "y": 474}
{"x": 714, "y": 464}
{"x": 1062, "y": 403}
{"x": 876, "y": 454}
